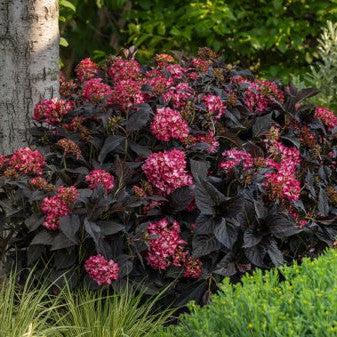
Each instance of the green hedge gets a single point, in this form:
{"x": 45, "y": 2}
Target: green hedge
{"x": 275, "y": 36}
{"x": 293, "y": 301}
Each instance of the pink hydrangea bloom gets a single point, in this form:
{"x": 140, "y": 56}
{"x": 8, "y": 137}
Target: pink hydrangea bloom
{"x": 271, "y": 89}
{"x": 58, "y": 206}
{"x": 67, "y": 87}
{"x": 178, "y": 95}
{"x": 193, "y": 75}
{"x": 95, "y": 91}
{"x": 27, "y": 161}
{"x": 53, "y": 209}
{"x": 68, "y": 194}
{"x": 209, "y": 139}
{"x": 124, "y": 70}
{"x": 290, "y": 156}
{"x": 255, "y": 100}
{"x": 168, "y": 124}
{"x": 100, "y": 177}
{"x": 236, "y": 157}
{"x": 164, "y": 241}
{"x": 157, "y": 81}
{"x": 41, "y": 183}
{"x": 101, "y": 270}
{"x": 283, "y": 183}
{"x": 176, "y": 70}
{"x": 164, "y": 59}
{"x": 297, "y": 218}
{"x": 193, "y": 268}
{"x": 86, "y": 70}
{"x": 326, "y": 116}
{"x": 126, "y": 94}
{"x": 200, "y": 64}
{"x": 51, "y": 111}
{"x": 259, "y": 94}
{"x": 214, "y": 105}
{"x": 167, "y": 170}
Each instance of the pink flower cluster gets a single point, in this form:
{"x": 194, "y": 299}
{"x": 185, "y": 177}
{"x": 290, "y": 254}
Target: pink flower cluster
{"x": 201, "y": 65}
{"x": 208, "y": 138}
{"x": 254, "y": 99}
{"x": 101, "y": 270}
{"x": 99, "y": 177}
{"x": 176, "y": 71}
{"x": 163, "y": 59}
{"x": 271, "y": 89}
{"x": 166, "y": 248}
{"x": 164, "y": 241}
{"x": 178, "y": 95}
{"x": 259, "y": 94}
{"x": 157, "y": 81}
{"x": 214, "y": 105}
{"x": 283, "y": 183}
{"x": 27, "y": 161}
{"x": 236, "y": 157}
{"x": 290, "y": 156}
{"x": 127, "y": 93}
{"x": 57, "y": 206}
{"x": 67, "y": 87}
{"x": 283, "y": 186}
{"x": 297, "y": 218}
{"x": 168, "y": 124}
{"x": 193, "y": 268}
{"x": 68, "y": 194}
{"x": 51, "y": 111}
{"x": 95, "y": 91}
{"x": 326, "y": 116}
{"x": 167, "y": 170}
{"x": 41, "y": 184}
{"x": 122, "y": 70}
{"x": 86, "y": 70}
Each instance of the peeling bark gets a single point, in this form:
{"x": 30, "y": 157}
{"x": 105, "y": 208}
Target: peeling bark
{"x": 29, "y": 54}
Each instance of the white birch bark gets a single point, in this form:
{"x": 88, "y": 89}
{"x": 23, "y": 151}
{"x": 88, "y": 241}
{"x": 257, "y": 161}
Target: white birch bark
{"x": 29, "y": 55}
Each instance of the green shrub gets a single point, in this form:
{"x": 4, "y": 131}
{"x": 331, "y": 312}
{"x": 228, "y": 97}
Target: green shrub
{"x": 292, "y": 301}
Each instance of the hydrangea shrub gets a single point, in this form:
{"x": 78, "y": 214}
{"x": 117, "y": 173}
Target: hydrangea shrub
{"x": 186, "y": 171}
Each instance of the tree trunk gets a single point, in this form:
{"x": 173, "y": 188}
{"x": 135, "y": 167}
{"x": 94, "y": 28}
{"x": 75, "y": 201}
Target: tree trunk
{"x": 29, "y": 55}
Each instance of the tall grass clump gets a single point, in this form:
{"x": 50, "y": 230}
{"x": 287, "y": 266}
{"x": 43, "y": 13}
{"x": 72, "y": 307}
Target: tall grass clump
{"x": 122, "y": 314}
{"x": 26, "y": 310}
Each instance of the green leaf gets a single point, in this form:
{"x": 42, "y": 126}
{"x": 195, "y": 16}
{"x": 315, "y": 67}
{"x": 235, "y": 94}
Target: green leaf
{"x": 67, "y": 4}
{"x": 63, "y": 42}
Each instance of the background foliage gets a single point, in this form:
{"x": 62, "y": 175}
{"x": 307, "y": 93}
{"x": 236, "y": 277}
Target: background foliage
{"x": 244, "y": 30}
{"x": 323, "y": 75}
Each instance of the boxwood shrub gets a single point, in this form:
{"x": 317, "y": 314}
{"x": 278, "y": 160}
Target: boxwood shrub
{"x": 291, "y": 301}
{"x": 185, "y": 171}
